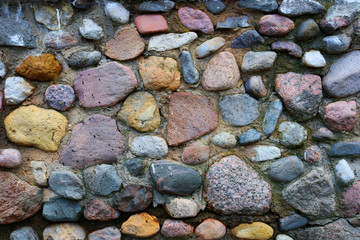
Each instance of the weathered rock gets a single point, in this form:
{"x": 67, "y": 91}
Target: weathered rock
{"x": 292, "y": 134}
{"x": 249, "y": 136}
{"x": 62, "y": 210}
{"x": 258, "y": 61}
{"x": 133, "y": 198}
{"x": 141, "y": 112}
{"x": 224, "y": 140}
{"x": 184, "y": 108}
{"x": 344, "y": 172}
{"x": 189, "y": 72}
{"x": 135, "y": 166}
{"x": 313, "y": 194}
{"x": 247, "y": 39}
{"x": 255, "y": 87}
{"x": 209, "y": 47}
{"x": 195, "y": 20}
{"x": 39, "y": 172}
{"x": 60, "y": 96}
{"x": 300, "y": 93}
{"x": 264, "y": 153}
{"x": 84, "y": 59}
{"x": 176, "y": 228}
{"x": 314, "y": 59}
{"x": 61, "y": 231}
{"x": 24, "y": 233}
{"x": 83, "y": 4}
{"x": 272, "y": 116}
{"x": 91, "y": 30}
{"x": 148, "y": 24}
{"x": 171, "y": 178}
{"x": 149, "y": 146}
{"x": 286, "y": 169}
{"x": 221, "y": 73}
{"x": 340, "y": 116}
{"x": 104, "y": 86}
{"x": 36, "y": 127}
{"x": 323, "y": 134}
{"x": 235, "y": 22}
{"x": 312, "y": 154}
{"x": 196, "y": 153}
{"x": 18, "y": 199}
{"x": 67, "y": 184}
{"x": 170, "y": 41}
{"x": 98, "y": 210}
{"x": 54, "y": 18}
{"x": 307, "y": 30}
{"x": 274, "y": 25}
{"x": 2, "y": 69}
{"x": 345, "y": 149}
{"x": 292, "y": 222}
{"x": 215, "y": 6}
{"x": 117, "y": 12}
{"x": 239, "y": 109}
{"x": 255, "y": 230}
{"x": 126, "y": 45}
{"x": 261, "y": 5}
{"x": 17, "y": 35}
{"x": 210, "y": 229}
{"x": 290, "y": 48}
{"x": 336, "y": 44}
{"x": 294, "y": 8}
{"x": 350, "y": 202}
{"x": 224, "y": 188}
{"x": 42, "y": 68}
{"x": 83, "y": 149}
{"x": 60, "y": 39}
{"x": 181, "y": 208}
{"x": 10, "y": 158}
{"x": 156, "y": 6}
{"x": 141, "y": 225}
{"x": 159, "y": 73}
{"x": 108, "y": 233}
{"x": 17, "y": 90}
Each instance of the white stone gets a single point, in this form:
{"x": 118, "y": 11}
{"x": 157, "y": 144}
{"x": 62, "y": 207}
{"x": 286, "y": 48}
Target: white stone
{"x": 181, "y": 208}
{"x": 224, "y": 140}
{"x": 209, "y": 47}
{"x": 314, "y": 59}
{"x": 39, "y": 172}
{"x": 117, "y": 12}
{"x": 283, "y": 237}
{"x": 90, "y": 30}
{"x": 2, "y": 70}
{"x": 344, "y": 172}
{"x": 17, "y": 90}
{"x": 149, "y": 146}
{"x": 170, "y": 41}
{"x": 264, "y": 153}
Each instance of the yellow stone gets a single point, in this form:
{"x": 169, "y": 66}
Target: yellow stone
{"x": 36, "y": 127}
{"x": 141, "y": 225}
{"x": 64, "y": 231}
{"x": 141, "y": 112}
{"x": 159, "y": 73}
{"x": 254, "y": 231}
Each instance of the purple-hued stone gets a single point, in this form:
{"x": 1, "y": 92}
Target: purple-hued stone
{"x": 60, "y": 97}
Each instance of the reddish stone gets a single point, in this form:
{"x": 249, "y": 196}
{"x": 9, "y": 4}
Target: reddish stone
{"x": 1, "y": 101}
{"x": 108, "y": 233}
{"x": 290, "y": 48}
{"x": 105, "y": 86}
{"x": 95, "y": 141}
{"x": 312, "y": 154}
{"x": 195, "y": 153}
{"x": 60, "y": 96}
{"x": 340, "y": 116}
{"x": 18, "y": 199}
{"x": 210, "y": 229}
{"x": 323, "y": 134}
{"x": 10, "y": 158}
{"x": 60, "y": 40}
{"x": 176, "y": 228}
{"x": 351, "y": 200}
{"x": 133, "y": 198}
{"x": 190, "y": 116}
{"x": 300, "y": 93}
{"x": 152, "y": 23}
{"x": 97, "y": 209}
{"x": 196, "y": 20}
{"x": 274, "y": 25}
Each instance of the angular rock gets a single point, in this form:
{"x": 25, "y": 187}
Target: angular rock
{"x": 249, "y": 136}
{"x": 345, "y": 149}
{"x": 105, "y": 86}
{"x": 210, "y": 229}
{"x": 195, "y": 153}
{"x": 255, "y": 230}
{"x": 24, "y": 233}
{"x": 239, "y": 109}
{"x": 83, "y": 149}
{"x": 215, "y": 6}
{"x": 189, "y": 72}
{"x": 290, "y": 48}
{"x": 181, "y": 208}
{"x": 301, "y": 94}
{"x": 84, "y": 59}
{"x": 176, "y": 228}
{"x": 312, "y": 154}
{"x": 16, "y": 35}
{"x": 108, "y": 233}
{"x": 60, "y": 231}
{"x": 159, "y": 73}
{"x": 171, "y": 178}
{"x": 67, "y": 184}
{"x": 17, "y": 90}
{"x": 170, "y": 41}
{"x": 351, "y": 200}
{"x": 292, "y": 222}
{"x": 117, "y": 12}
{"x": 344, "y": 172}
{"x": 149, "y": 146}
{"x": 247, "y": 39}
{"x": 62, "y": 210}
{"x": 272, "y": 116}
{"x": 221, "y": 73}
{"x": 141, "y": 225}
{"x": 235, "y": 22}
{"x": 232, "y": 187}
{"x": 39, "y": 172}
{"x": 190, "y": 117}
{"x": 294, "y": 8}
{"x": 314, "y": 59}
{"x": 149, "y": 24}
{"x": 286, "y": 169}
{"x": 135, "y": 166}
{"x": 292, "y": 134}
{"x": 261, "y": 5}
{"x": 36, "y": 127}
{"x": 60, "y": 97}
{"x": 60, "y": 39}
{"x": 10, "y": 158}
{"x": 209, "y": 47}
{"x": 156, "y": 6}
{"x": 307, "y": 30}
{"x": 255, "y": 87}
{"x": 336, "y": 44}
{"x": 224, "y": 140}
{"x": 133, "y": 198}
{"x": 323, "y": 134}
{"x": 54, "y": 18}
{"x": 274, "y": 25}
{"x": 264, "y": 153}
{"x": 195, "y": 20}
{"x": 91, "y": 30}
{"x": 340, "y": 116}
{"x": 258, "y": 61}
{"x": 98, "y": 210}
{"x": 42, "y": 68}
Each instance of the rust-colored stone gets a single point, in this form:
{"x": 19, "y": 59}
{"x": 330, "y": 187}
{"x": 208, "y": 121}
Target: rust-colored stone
{"x": 151, "y": 23}
{"x": 99, "y": 210}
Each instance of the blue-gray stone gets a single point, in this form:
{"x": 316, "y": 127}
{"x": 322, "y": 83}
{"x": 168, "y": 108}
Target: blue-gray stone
{"x": 292, "y": 134}
{"x": 247, "y": 39}
{"x": 24, "y": 233}
{"x": 135, "y": 166}
{"x": 84, "y": 59}
{"x": 272, "y": 116}
{"x": 189, "y": 72}
{"x": 239, "y": 109}
{"x": 261, "y": 5}
{"x": 67, "y": 184}
{"x": 235, "y": 22}
{"x": 307, "y": 29}
{"x": 345, "y": 149}
{"x": 250, "y": 136}
{"x": 294, "y": 8}
{"x": 215, "y": 6}
{"x": 17, "y": 35}
{"x": 286, "y": 169}
{"x": 156, "y": 6}
{"x": 61, "y": 209}
{"x": 292, "y": 222}
{"x": 337, "y": 43}
{"x": 102, "y": 179}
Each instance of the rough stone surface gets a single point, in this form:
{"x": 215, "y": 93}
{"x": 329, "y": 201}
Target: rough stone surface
{"x": 171, "y": 178}
{"x": 149, "y": 24}
{"x": 60, "y": 39}
{"x": 286, "y": 169}
{"x": 255, "y": 87}
{"x": 258, "y": 61}
{"x": 149, "y": 146}
{"x": 135, "y": 166}
{"x": 67, "y": 184}
{"x": 232, "y": 187}
{"x": 181, "y": 208}
{"x": 83, "y": 149}
{"x": 340, "y": 116}
{"x": 141, "y": 225}
{"x": 239, "y": 109}
{"x": 170, "y": 41}
{"x": 99, "y": 210}
{"x": 183, "y": 109}
{"x": 249, "y": 136}
{"x": 24, "y": 233}
{"x": 2, "y": 69}
{"x": 209, "y": 47}
{"x": 351, "y": 200}
{"x": 224, "y": 140}
{"x": 294, "y": 8}
{"x": 300, "y": 93}
{"x": 210, "y": 229}
{"x": 221, "y": 73}
{"x": 307, "y": 29}
{"x": 292, "y": 222}
{"x": 255, "y": 230}
{"x": 60, "y": 97}
{"x": 17, "y": 35}
{"x": 17, "y": 90}
{"x": 18, "y": 199}
{"x": 36, "y": 127}
{"x": 344, "y": 173}
{"x": 345, "y": 149}
{"x": 117, "y": 12}
{"x": 292, "y": 134}
{"x": 261, "y": 5}
{"x": 336, "y": 44}
{"x": 84, "y": 59}
{"x": 312, "y": 154}
{"x": 215, "y": 6}
{"x": 264, "y": 153}
{"x": 323, "y": 134}
{"x": 156, "y": 6}
{"x": 274, "y": 25}
{"x": 126, "y": 45}
{"x": 195, "y": 20}
{"x": 39, "y": 172}
{"x": 247, "y": 39}
{"x": 91, "y": 30}
{"x": 196, "y": 153}
{"x": 272, "y": 116}
{"x": 290, "y": 48}
{"x": 10, "y": 158}
{"x": 108, "y": 233}
{"x": 133, "y": 198}
{"x": 189, "y": 72}
{"x": 234, "y": 22}
{"x": 283, "y": 237}
{"x": 314, "y": 59}
{"x": 62, "y": 210}
{"x": 54, "y": 18}
{"x": 176, "y": 229}
{"x": 60, "y": 231}
{"x": 104, "y": 86}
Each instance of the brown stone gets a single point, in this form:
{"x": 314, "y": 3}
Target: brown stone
{"x": 190, "y": 116}
{"x": 274, "y": 25}
{"x": 340, "y": 116}
{"x": 126, "y": 44}
{"x": 141, "y": 225}
{"x": 151, "y": 23}
{"x": 60, "y": 40}
{"x": 195, "y": 153}
{"x": 99, "y": 210}
{"x": 210, "y": 229}
{"x": 159, "y": 73}
{"x": 133, "y": 198}
{"x": 42, "y": 68}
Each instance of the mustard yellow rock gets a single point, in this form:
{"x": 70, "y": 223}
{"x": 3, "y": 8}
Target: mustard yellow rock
{"x": 253, "y": 231}
{"x": 141, "y": 225}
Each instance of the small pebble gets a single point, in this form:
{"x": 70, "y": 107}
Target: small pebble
{"x": 190, "y": 73}
{"x": 247, "y": 39}
{"x": 292, "y": 134}
{"x": 210, "y": 229}
{"x": 84, "y": 59}
{"x": 99, "y": 210}
{"x": 60, "y": 97}
{"x": 224, "y": 140}
{"x": 272, "y": 116}
{"x": 344, "y": 172}
{"x": 195, "y": 153}
{"x": 255, "y": 87}
{"x": 312, "y": 154}
{"x": 176, "y": 229}
{"x": 39, "y": 171}
{"x": 135, "y": 166}
{"x": 307, "y": 29}
{"x": 181, "y": 208}
{"x": 292, "y": 222}
{"x": 10, "y": 158}
{"x": 290, "y": 48}
{"x": 149, "y": 146}
{"x": 209, "y": 47}
{"x": 215, "y": 6}
{"x": 264, "y": 153}
{"x": 314, "y": 59}
{"x": 250, "y": 136}
{"x": 258, "y": 61}
{"x": 90, "y": 30}
{"x": 117, "y": 12}
{"x": 323, "y": 134}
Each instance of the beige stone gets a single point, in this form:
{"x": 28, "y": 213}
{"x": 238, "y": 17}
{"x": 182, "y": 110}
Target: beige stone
{"x": 210, "y": 229}
{"x": 181, "y": 208}
{"x": 141, "y": 225}
{"x": 36, "y": 127}
{"x": 62, "y": 231}
{"x": 254, "y": 231}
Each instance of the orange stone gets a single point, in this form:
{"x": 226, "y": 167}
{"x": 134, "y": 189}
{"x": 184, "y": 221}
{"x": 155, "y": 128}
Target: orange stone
{"x": 42, "y": 68}
{"x": 141, "y": 225}
{"x": 151, "y": 23}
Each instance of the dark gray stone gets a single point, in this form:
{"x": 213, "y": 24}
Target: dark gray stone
{"x": 61, "y": 210}
{"x": 24, "y": 233}
{"x": 286, "y": 169}
{"x": 294, "y": 8}
{"x": 345, "y": 149}
{"x": 84, "y": 59}
{"x": 292, "y": 222}
{"x": 135, "y": 166}
{"x": 16, "y": 33}
{"x": 189, "y": 71}
{"x": 156, "y": 6}
{"x": 247, "y": 39}
{"x": 261, "y": 5}
{"x": 272, "y": 116}
{"x": 307, "y": 30}
{"x": 336, "y": 44}
{"x": 215, "y": 6}
{"x": 235, "y": 22}
{"x": 239, "y": 109}
{"x": 67, "y": 184}
{"x": 250, "y": 136}
{"x": 83, "y": 4}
